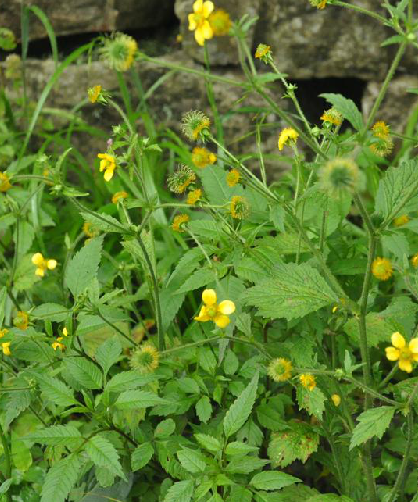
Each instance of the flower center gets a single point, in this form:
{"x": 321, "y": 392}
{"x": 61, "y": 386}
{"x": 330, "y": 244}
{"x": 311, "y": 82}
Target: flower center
{"x": 405, "y": 354}
{"x": 212, "y": 310}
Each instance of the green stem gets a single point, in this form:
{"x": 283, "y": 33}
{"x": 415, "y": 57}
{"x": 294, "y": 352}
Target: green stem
{"x": 388, "y": 377}
{"x": 8, "y": 466}
{"x": 113, "y": 326}
{"x": 385, "y": 86}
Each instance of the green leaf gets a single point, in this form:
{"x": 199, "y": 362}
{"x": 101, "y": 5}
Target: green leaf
{"x": 245, "y": 465}
{"x": 87, "y": 374}
{"x": 21, "y": 453}
{"x": 298, "y": 442}
{"x": 237, "y": 448}
{"x": 191, "y": 460}
{"x": 398, "y": 186}
{"x": 188, "y": 385}
{"x": 55, "y": 390}
{"x": 3, "y": 296}
{"x": 241, "y": 408}
{"x": 182, "y": 491}
{"x": 24, "y": 276}
{"x": 346, "y": 107}
{"x": 103, "y": 222}
{"x": 215, "y": 186}
{"x": 240, "y": 494}
{"x": 103, "y": 453}
{"x": 164, "y": 429}
{"x": 60, "y": 479}
{"x": 132, "y": 399}
{"x": 197, "y": 280}
{"x": 208, "y": 442}
{"x": 83, "y": 267}
{"x": 397, "y": 244}
{"x": 329, "y": 497}
{"x": 127, "y": 380}
{"x": 231, "y": 363}
{"x": 56, "y": 435}
{"x": 313, "y": 401}
{"x": 204, "y": 409}
{"x": 17, "y": 401}
{"x": 108, "y": 353}
{"x": 272, "y": 480}
{"x": 50, "y": 311}
{"x": 270, "y": 414}
{"x": 296, "y": 291}
{"x": 371, "y": 423}
{"x": 4, "y": 487}
{"x": 141, "y": 456}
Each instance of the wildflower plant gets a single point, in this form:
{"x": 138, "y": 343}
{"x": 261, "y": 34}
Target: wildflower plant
{"x": 203, "y": 333}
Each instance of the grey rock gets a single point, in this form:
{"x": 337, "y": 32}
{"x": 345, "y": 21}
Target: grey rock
{"x": 86, "y": 16}
{"x": 222, "y": 50}
{"x": 334, "y": 42}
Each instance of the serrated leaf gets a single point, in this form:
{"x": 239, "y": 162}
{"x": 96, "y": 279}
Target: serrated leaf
{"x": 164, "y": 429}
{"x": 272, "y": 480}
{"x": 270, "y": 415}
{"x": 188, "y": 385}
{"x": 346, "y": 107}
{"x": 182, "y": 491}
{"x": 60, "y": 479}
{"x": 141, "y": 456}
{"x": 50, "y": 311}
{"x": 204, "y": 409}
{"x": 240, "y": 494}
{"x": 197, "y": 280}
{"x": 238, "y": 448}
{"x": 398, "y": 186}
{"x": 83, "y": 267}
{"x": 191, "y": 460}
{"x": 17, "y": 401}
{"x": 132, "y": 399}
{"x": 297, "y": 442}
{"x": 24, "y": 276}
{"x": 241, "y": 408}
{"x": 245, "y": 465}
{"x": 55, "y": 435}
{"x": 4, "y": 487}
{"x": 208, "y": 442}
{"x": 108, "y": 353}
{"x": 103, "y": 453}
{"x": 396, "y": 244}
{"x": 128, "y": 380}
{"x": 3, "y": 295}
{"x": 295, "y": 291}
{"x": 87, "y": 374}
{"x": 55, "y": 390}
{"x": 372, "y": 423}
{"x": 103, "y": 222}
{"x": 313, "y": 401}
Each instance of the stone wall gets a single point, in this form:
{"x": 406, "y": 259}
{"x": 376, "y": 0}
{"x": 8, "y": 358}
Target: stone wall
{"x": 306, "y": 43}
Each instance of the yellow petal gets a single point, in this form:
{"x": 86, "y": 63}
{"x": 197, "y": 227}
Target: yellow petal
{"x": 40, "y": 272}
{"x": 209, "y": 296}
{"x": 405, "y": 365}
{"x": 37, "y": 259}
{"x": 392, "y": 354}
{"x": 103, "y": 164}
{"x": 108, "y": 175}
{"x": 398, "y": 340}
{"x": 221, "y": 320}
{"x": 192, "y": 22}
{"x": 198, "y": 35}
{"x": 51, "y": 264}
{"x": 203, "y": 316}
{"x": 415, "y": 357}
{"x": 207, "y": 8}
{"x": 226, "y": 307}
{"x": 65, "y": 332}
{"x": 197, "y": 6}
{"x": 207, "y": 30}
{"x": 413, "y": 345}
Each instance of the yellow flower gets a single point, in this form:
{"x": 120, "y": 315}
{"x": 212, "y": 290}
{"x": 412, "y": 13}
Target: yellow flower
{"x": 263, "y": 52}
{"x": 336, "y": 399}
{"x": 194, "y": 196}
{"x": 212, "y": 311}
{"x": 65, "y": 332}
{"x": 119, "y": 195}
{"x": 179, "y": 222}
{"x": 288, "y": 136}
{"x": 239, "y": 208}
{"x": 107, "y": 164}
{"x": 334, "y": 309}
{"x": 181, "y": 179}
{"x": 58, "y": 345}
{"x": 233, "y": 177}
{"x": 179, "y": 38}
{"x": 194, "y": 124}
{"x": 89, "y": 231}
{"x": 198, "y": 21}
{"x": 94, "y": 93}
{"x": 42, "y": 264}
{"x": 280, "y": 369}
{"x": 400, "y": 351}
{"x": 382, "y": 269}
{"x": 21, "y": 320}
{"x": 4, "y": 182}
{"x": 119, "y": 51}
{"x": 5, "y": 347}
{"x": 381, "y": 130}
{"x": 146, "y": 359}
{"x": 220, "y": 22}
{"x": 319, "y": 4}
{"x": 201, "y": 157}
{"x": 401, "y": 220}
{"x": 3, "y": 332}
{"x": 340, "y": 175}
{"x": 308, "y": 381}
{"x": 414, "y": 260}
{"x": 382, "y": 147}
{"x": 332, "y": 116}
